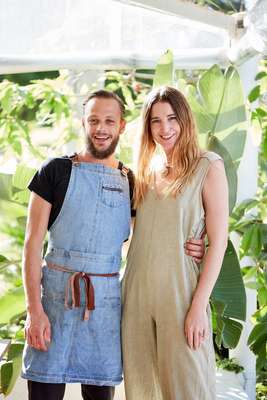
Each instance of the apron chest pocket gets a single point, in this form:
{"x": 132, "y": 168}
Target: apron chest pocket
{"x": 112, "y": 194}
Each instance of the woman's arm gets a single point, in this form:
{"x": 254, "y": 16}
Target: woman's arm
{"x": 215, "y": 200}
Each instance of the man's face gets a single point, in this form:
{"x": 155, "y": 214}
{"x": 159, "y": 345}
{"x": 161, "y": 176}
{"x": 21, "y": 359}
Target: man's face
{"x": 103, "y": 125}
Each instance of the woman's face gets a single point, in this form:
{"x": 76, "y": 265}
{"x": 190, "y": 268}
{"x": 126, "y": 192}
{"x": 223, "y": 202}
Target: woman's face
{"x": 164, "y": 126}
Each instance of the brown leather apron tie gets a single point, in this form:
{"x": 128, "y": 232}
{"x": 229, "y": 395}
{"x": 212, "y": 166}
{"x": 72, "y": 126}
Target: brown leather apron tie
{"x": 73, "y": 286}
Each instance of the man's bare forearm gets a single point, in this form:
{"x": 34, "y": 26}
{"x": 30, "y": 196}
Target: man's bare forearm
{"x": 32, "y": 276}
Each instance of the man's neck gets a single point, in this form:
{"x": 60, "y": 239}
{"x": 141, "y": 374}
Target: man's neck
{"x": 111, "y": 161}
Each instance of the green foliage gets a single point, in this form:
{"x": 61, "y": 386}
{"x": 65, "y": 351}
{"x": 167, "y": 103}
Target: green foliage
{"x": 10, "y": 368}
{"x": 130, "y": 90}
{"x": 215, "y": 145}
{"x": 225, "y": 6}
{"x": 229, "y": 300}
{"x": 257, "y": 340}
{"x": 246, "y": 220}
{"x": 164, "y": 73}
{"x": 229, "y": 364}
{"x": 12, "y": 304}
{"x": 24, "y": 108}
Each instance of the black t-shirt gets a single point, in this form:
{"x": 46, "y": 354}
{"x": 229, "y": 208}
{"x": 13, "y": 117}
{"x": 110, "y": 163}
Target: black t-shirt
{"x": 52, "y": 180}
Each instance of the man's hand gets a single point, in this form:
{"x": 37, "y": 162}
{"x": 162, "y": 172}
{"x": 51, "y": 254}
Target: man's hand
{"x": 38, "y": 330}
{"x": 196, "y": 249}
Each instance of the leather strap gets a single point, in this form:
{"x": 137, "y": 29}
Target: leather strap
{"x": 73, "y": 287}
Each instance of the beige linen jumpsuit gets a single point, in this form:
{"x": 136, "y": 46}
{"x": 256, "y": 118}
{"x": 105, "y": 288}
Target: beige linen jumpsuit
{"x": 158, "y": 286}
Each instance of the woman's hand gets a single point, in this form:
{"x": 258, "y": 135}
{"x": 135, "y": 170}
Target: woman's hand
{"x": 196, "y": 326}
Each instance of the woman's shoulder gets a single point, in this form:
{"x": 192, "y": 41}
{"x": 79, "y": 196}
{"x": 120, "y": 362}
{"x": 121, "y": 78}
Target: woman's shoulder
{"x": 210, "y": 156}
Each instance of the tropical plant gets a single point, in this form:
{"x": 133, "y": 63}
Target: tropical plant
{"x": 250, "y": 221}
{"x": 23, "y": 110}
{"x": 225, "y": 6}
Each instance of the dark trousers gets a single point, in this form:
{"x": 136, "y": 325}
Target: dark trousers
{"x": 55, "y": 391}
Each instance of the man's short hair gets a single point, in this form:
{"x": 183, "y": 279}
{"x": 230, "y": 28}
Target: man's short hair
{"x": 105, "y": 94}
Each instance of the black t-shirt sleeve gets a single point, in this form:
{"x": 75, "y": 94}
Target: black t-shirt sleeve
{"x": 43, "y": 181}
{"x": 51, "y": 183}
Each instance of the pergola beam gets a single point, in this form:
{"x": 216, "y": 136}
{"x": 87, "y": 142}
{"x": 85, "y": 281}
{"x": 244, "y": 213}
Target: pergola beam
{"x": 190, "y": 11}
{"x": 184, "y": 59}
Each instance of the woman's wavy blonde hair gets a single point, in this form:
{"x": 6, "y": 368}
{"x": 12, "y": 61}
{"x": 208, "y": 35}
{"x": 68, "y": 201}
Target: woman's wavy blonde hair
{"x": 185, "y": 154}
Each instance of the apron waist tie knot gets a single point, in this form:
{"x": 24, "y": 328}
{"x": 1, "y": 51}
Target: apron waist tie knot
{"x": 73, "y": 286}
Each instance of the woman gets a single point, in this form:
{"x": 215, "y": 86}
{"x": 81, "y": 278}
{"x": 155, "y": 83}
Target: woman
{"x": 166, "y": 331}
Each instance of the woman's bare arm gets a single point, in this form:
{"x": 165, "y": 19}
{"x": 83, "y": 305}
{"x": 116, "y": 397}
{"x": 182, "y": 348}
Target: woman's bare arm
{"x": 215, "y": 200}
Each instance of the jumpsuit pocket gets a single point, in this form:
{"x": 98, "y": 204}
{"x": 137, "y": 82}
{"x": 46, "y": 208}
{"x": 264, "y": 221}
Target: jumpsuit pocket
{"x": 112, "y": 194}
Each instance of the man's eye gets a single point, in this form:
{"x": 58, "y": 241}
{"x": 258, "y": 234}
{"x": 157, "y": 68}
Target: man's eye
{"x": 92, "y": 121}
{"x": 110, "y": 121}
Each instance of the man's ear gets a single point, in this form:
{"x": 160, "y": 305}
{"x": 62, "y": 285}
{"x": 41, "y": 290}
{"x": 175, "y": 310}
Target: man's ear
{"x": 122, "y": 126}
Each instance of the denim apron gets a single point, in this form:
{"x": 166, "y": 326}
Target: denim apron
{"x": 84, "y": 242}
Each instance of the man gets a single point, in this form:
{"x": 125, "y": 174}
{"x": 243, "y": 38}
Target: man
{"x": 73, "y": 302}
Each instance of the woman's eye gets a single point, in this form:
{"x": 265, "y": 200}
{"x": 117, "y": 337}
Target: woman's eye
{"x": 154, "y": 121}
{"x": 173, "y": 118}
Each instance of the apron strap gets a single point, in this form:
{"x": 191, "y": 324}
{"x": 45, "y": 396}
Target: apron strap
{"x": 73, "y": 287}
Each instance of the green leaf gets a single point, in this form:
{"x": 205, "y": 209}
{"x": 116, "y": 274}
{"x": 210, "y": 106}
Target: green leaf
{"x": 211, "y": 88}
{"x": 231, "y": 333}
{"x": 252, "y": 285}
{"x": 219, "y": 109}
{"x": 246, "y": 205}
{"x": 17, "y": 147}
{"x": 5, "y": 186}
{"x": 9, "y": 374}
{"x": 22, "y": 176}
{"x": 22, "y": 196}
{"x": 6, "y": 99}
{"x": 164, "y": 73}
{"x": 251, "y": 243}
{"x": 127, "y": 94}
{"x": 15, "y": 350}
{"x": 11, "y": 303}
{"x": 260, "y": 75}
{"x": 11, "y": 210}
{"x": 229, "y": 288}
{"x": 231, "y": 121}
{"x": 254, "y": 94}
{"x": 204, "y": 120}
{"x": 257, "y": 336}
{"x": 231, "y": 174}
{"x": 228, "y": 300}
{"x": 262, "y": 296}
{"x": 3, "y": 259}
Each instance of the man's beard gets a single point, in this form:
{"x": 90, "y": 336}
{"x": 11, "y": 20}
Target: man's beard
{"x": 101, "y": 154}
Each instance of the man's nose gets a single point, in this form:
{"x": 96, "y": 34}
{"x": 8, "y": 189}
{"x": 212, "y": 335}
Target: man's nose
{"x": 100, "y": 126}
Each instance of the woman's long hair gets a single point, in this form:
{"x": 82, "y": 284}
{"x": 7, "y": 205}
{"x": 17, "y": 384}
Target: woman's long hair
{"x": 185, "y": 154}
